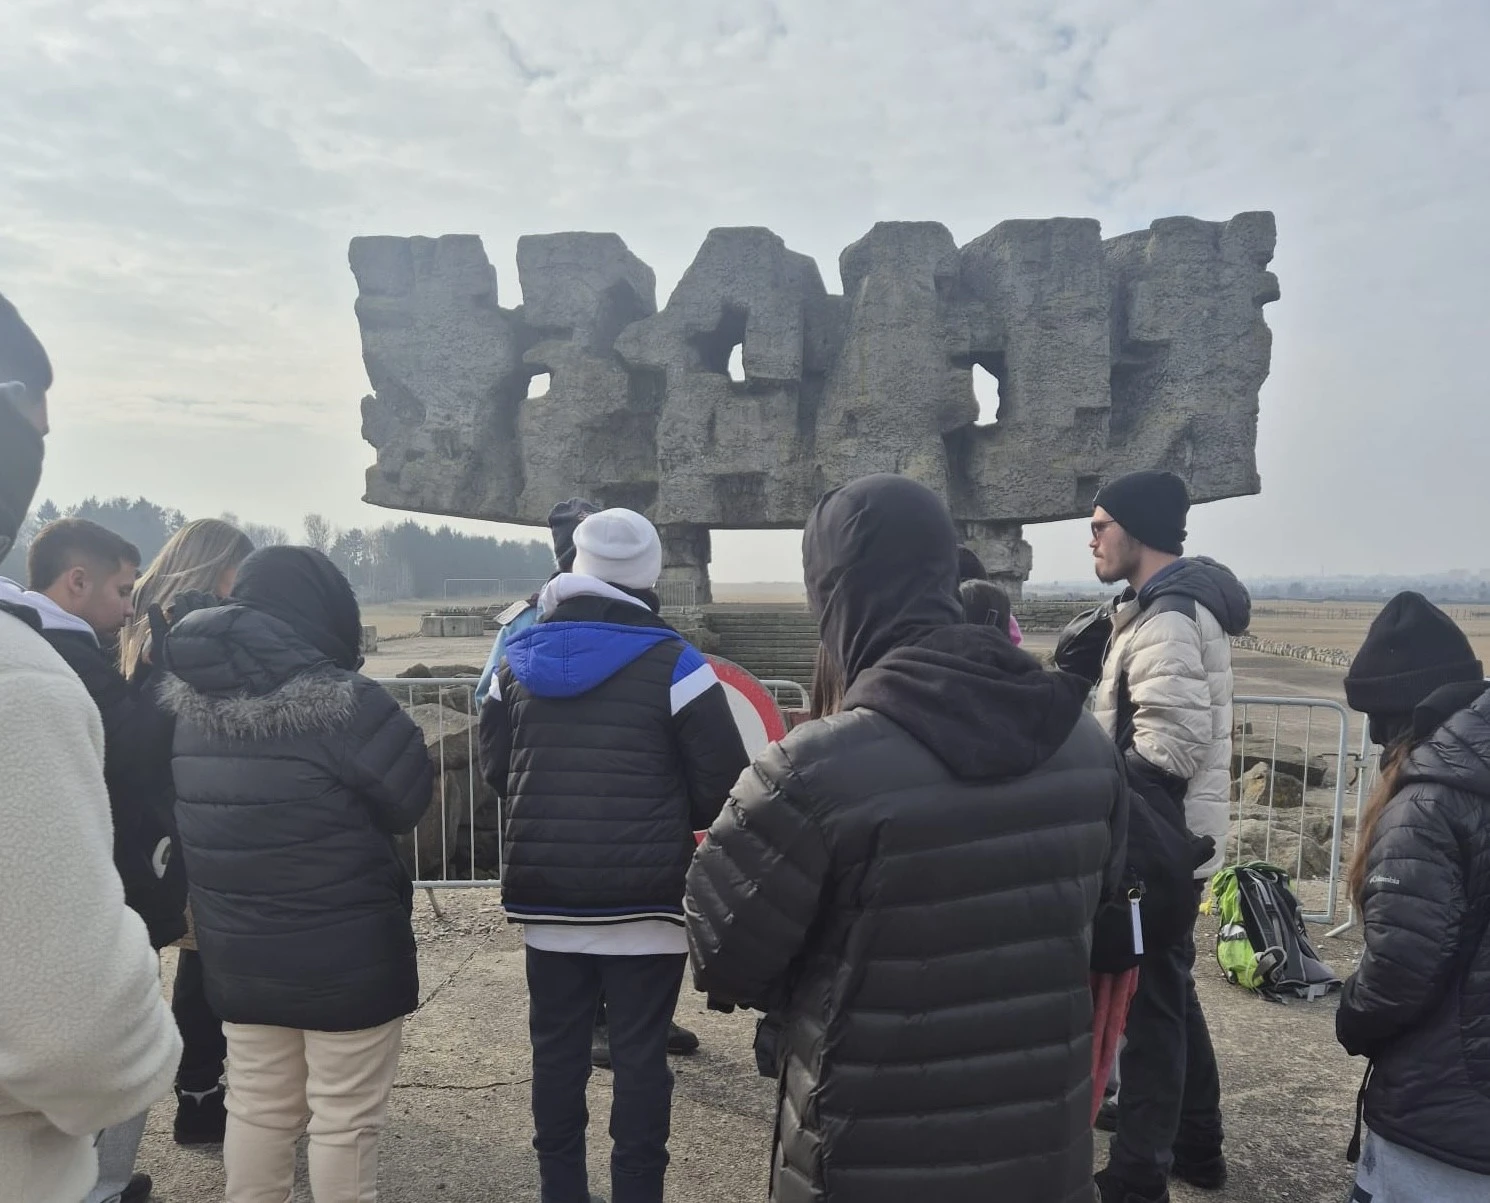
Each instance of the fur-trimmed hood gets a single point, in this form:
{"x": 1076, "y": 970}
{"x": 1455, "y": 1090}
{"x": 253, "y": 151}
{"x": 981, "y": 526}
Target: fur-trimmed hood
{"x": 239, "y": 673}
{"x": 315, "y": 702}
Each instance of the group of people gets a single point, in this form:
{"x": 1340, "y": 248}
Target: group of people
{"x": 191, "y": 757}
{"x": 913, "y": 889}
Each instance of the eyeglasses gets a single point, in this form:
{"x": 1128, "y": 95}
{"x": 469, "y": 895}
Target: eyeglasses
{"x": 1100, "y": 528}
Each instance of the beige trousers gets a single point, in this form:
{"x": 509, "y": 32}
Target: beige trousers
{"x": 334, "y": 1085}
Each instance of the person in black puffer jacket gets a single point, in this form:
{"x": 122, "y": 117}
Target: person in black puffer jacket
{"x": 293, "y": 775}
{"x": 910, "y": 885}
{"x": 1419, "y": 1004}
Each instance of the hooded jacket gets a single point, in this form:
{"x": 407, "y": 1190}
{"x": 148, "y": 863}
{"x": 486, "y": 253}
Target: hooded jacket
{"x": 86, "y": 1038}
{"x": 612, "y": 740}
{"x": 1419, "y": 1004}
{"x": 1166, "y": 688}
{"x": 137, "y": 769}
{"x": 910, "y": 886}
{"x": 293, "y": 775}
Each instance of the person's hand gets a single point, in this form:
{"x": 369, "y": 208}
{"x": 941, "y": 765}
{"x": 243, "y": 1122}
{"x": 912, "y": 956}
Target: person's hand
{"x": 188, "y": 600}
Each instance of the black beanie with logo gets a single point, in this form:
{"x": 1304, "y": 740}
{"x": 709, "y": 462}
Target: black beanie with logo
{"x": 1412, "y": 649}
{"x": 1150, "y": 506}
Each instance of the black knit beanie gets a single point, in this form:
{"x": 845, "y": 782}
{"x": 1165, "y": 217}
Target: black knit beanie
{"x": 1411, "y": 650}
{"x": 562, "y": 520}
{"x": 1150, "y": 506}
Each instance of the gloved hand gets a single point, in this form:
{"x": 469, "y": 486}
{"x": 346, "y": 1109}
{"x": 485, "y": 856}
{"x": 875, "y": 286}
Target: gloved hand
{"x": 188, "y": 600}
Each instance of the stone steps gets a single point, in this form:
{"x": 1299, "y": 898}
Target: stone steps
{"x": 771, "y": 642}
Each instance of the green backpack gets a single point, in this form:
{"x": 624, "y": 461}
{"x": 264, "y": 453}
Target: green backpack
{"x": 1261, "y": 943}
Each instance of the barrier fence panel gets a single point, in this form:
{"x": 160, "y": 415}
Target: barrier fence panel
{"x": 494, "y": 590}
{"x": 458, "y": 842}
{"x": 789, "y": 695}
{"x": 1367, "y": 769}
{"x": 1300, "y": 809}
{"x": 1285, "y": 817}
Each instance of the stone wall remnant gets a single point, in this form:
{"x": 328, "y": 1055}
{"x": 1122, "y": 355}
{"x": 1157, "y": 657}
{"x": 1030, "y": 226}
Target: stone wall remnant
{"x": 1143, "y": 351}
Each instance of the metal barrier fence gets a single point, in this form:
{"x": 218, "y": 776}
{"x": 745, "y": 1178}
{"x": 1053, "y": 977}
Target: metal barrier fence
{"x": 1295, "y": 750}
{"x": 1367, "y": 769}
{"x": 796, "y": 694}
{"x": 494, "y": 589}
{"x": 459, "y": 842}
{"x": 675, "y": 595}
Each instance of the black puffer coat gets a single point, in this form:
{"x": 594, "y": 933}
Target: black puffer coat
{"x": 1419, "y": 1005}
{"x": 910, "y": 886}
{"x": 612, "y": 740}
{"x": 293, "y": 775}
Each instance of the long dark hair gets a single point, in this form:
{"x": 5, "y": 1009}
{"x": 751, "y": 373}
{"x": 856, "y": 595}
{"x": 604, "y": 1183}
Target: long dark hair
{"x": 827, "y": 685}
{"x": 1393, "y": 764}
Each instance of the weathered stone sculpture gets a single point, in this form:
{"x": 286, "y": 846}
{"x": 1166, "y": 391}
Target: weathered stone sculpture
{"x": 1143, "y": 351}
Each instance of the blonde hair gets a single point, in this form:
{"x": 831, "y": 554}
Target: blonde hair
{"x": 194, "y": 558}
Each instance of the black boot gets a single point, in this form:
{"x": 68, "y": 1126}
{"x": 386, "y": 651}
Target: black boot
{"x": 600, "y": 1047}
{"x": 201, "y": 1116}
{"x": 138, "y": 1190}
{"x": 1205, "y": 1168}
{"x": 1113, "y": 1189}
{"x": 680, "y": 1041}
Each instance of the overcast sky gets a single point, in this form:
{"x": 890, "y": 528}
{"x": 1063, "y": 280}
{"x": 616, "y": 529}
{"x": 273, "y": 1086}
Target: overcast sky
{"x": 179, "y": 180}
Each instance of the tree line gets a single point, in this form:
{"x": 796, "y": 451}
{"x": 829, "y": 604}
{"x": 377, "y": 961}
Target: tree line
{"x": 397, "y": 560}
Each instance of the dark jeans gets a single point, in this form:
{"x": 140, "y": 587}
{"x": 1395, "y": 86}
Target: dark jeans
{"x": 564, "y": 990}
{"x": 1171, "y": 1090}
{"x": 203, "y": 1046}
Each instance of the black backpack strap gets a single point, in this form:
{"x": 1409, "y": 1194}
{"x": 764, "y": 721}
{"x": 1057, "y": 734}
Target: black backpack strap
{"x": 1353, "y": 1150}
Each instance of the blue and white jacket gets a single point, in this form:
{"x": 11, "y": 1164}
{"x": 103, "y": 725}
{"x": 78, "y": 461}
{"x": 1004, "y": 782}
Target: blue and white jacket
{"x": 611, "y": 740}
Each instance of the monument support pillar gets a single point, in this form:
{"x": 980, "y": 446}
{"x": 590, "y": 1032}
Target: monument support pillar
{"x": 686, "y": 551}
{"x": 1001, "y": 547}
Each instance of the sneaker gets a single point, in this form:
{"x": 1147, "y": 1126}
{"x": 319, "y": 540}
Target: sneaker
{"x": 1205, "y": 1170}
{"x": 1107, "y": 1115}
{"x": 600, "y": 1047}
{"x": 680, "y": 1041}
{"x": 201, "y": 1116}
{"x": 1112, "y": 1189}
{"x": 139, "y": 1189}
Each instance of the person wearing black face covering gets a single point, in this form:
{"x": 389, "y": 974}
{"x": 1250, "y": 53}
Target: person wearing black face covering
{"x": 293, "y": 776}
{"x": 1419, "y": 1004}
{"x": 86, "y": 1039}
{"x": 909, "y": 884}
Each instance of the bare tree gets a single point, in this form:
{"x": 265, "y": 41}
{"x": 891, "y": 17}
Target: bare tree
{"x": 318, "y": 533}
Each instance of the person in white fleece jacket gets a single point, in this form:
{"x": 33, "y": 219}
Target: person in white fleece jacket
{"x": 86, "y": 1037}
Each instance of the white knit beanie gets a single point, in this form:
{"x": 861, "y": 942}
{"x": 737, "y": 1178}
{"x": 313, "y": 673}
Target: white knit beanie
{"x": 619, "y": 547}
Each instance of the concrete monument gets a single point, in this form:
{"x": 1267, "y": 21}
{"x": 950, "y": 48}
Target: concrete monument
{"x": 1143, "y": 351}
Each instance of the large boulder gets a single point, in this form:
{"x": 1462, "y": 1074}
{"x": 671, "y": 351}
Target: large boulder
{"x": 1262, "y": 786}
{"x": 1284, "y": 757}
{"x": 1281, "y": 849}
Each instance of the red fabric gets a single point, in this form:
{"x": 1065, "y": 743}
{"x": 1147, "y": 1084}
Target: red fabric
{"x": 698, "y": 837}
{"x": 1112, "y": 994}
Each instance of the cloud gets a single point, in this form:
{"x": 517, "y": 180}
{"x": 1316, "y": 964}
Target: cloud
{"x": 184, "y": 175}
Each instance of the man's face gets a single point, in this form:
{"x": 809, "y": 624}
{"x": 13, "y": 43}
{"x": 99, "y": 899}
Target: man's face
{"x": 1114, "y": 550}
{"x": 101, "y": 596}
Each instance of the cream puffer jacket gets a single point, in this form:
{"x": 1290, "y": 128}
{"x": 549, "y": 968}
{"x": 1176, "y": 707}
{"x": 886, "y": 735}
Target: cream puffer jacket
{"x": 86, "y": 1038}
{"x": 1168, "y": 673}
